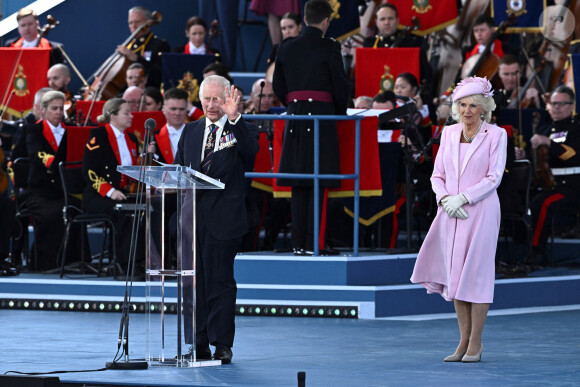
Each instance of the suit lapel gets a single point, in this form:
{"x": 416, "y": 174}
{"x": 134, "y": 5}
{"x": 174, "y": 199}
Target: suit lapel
{"x": 474, "y": 145}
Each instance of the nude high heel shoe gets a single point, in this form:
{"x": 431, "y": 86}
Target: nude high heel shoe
{"x": 473, "y": 359}
{"x": 455, "y": 357}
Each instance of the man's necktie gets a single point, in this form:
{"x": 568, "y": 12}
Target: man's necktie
{"x": 209, "y": 147}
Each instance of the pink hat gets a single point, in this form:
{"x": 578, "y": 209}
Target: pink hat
{"x": 472, "y": 86}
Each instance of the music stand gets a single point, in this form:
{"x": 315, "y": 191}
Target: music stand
{"x": 181, "y": 179}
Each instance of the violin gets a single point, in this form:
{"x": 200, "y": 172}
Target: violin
{"x": 543, "y": 176}
{"x": 109, "y": 78}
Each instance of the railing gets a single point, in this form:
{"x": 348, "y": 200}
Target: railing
{"x": 316, "y": 176}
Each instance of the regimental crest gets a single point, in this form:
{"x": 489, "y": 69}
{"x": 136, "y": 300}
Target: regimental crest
{"x": 20, "y": 83}
{"x": 387, "y": 80}
{"x": 189, "y": 84}
{"x": 421, "y": 6}
{"x": 517, "y": 7}
{"x": 335, "y": 4}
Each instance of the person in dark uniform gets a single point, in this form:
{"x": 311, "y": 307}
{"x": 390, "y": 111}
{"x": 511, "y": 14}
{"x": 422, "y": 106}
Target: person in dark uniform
{"x": 146, "y": 48}
{"x": 563, "y": 142}
{"x": 309, "y": 78}
{"x": 108, "y": 147}
{"x": 46, "y": 143}
{"x": 217, "y": 147}
{"x": 28, "y": 30}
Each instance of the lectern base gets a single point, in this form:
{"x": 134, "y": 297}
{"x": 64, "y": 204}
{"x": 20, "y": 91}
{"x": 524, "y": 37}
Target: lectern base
{"x": 184, "y": 363}
{"x": 127, "y": 365}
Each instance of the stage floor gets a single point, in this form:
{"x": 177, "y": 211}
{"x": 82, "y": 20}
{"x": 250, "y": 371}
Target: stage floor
{"x": 522, "y": 348}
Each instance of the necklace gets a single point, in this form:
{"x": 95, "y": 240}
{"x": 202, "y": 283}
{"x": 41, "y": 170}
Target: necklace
{"x": 470, "y": 139}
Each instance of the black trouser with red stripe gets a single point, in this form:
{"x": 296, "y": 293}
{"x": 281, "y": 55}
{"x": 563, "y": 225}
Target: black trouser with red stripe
{"x": 543, "y": 207}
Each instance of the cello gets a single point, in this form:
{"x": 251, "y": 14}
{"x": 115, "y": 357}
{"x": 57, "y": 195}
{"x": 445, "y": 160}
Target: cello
{"x": 109, "y": 78}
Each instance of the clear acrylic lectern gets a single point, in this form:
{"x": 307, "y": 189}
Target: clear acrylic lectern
{"x": 166, "y": 289}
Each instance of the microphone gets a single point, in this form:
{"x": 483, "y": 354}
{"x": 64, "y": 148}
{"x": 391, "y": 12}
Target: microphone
{"x": 406, "y": 99}
{"x": 259, "y": 108}
{"x": 150, "y": 124}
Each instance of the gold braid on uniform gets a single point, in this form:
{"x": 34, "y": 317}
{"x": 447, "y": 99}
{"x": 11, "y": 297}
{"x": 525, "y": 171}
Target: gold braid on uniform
{"x": 569, "y": 153}
{"x": 44, "y": 157}
{"x": 97, "y": 181}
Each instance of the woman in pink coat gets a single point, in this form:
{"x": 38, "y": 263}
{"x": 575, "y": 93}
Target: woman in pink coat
{"x": 457, "y": 259}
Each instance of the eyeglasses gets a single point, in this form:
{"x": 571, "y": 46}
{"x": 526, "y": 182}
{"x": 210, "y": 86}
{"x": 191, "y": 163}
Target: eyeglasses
{"x": 561, "y": 104}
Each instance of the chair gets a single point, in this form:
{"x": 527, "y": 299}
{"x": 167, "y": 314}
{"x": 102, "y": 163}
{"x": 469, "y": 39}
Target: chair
{"x": 514, "y": 199}
{"x": 73, "y": 185}
{"x": 20, "y": 241}
{"x": 565, "y": 211}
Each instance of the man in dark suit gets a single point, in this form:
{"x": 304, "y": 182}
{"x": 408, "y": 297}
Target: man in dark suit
{"x": 217, "y": 147}
{"x": 29, "y": 38}
{"x": 146, "y": 48}
{"x": 310, "y": 79}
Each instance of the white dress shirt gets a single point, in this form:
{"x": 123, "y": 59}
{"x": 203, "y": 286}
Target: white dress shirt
{"x": 126, "y": 158}
{"x": 174, "y": 135}
{"x": 57, "y": 132}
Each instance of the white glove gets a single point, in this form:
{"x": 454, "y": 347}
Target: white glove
{"x": 461, "y": 214}
{"x": 453, "y": 203}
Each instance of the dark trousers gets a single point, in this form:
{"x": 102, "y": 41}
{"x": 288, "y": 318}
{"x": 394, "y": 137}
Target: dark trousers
{"x": 216, "y": 288}
{"x": 46, "y": 212}
{"x": 544, "y": 205}
{"x": 303, "y": 216}
{"x": 96, "y": 204}
{"x": 157, "y": 219}
{"x": 8, "y": 210}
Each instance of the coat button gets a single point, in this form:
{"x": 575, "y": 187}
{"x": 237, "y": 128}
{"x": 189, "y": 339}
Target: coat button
{"x": 309, "y": 113}
{"x": 308, "y": 129}
{"x": 309, "y": 99}
{"x": 295, "y": 100}
{"x": 106, "y": 167}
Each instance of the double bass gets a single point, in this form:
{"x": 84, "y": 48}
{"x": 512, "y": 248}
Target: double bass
{"x": 486, "y": 64}
{"x": 109, "y": 78}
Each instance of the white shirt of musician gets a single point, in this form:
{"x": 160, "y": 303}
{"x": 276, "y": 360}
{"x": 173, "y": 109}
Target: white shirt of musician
{"x": 27, "y": 44}
{"x": 57, "y": 132}
{"x": 174, "y": 136}
{"x": 126, "y": 158}
{"x": 196, "y": 50}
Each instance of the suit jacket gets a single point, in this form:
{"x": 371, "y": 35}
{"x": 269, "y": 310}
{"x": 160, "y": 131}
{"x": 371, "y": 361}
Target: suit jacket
{"x": 44, "y": 157}
{"x": 222, "y": 211}
{"x": 101, "y": 159}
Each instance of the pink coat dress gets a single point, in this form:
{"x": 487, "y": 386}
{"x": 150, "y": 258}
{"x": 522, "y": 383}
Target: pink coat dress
{"x": 457, "y": 258}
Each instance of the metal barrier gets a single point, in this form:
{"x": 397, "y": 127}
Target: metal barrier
{"x": 316, "y": 176}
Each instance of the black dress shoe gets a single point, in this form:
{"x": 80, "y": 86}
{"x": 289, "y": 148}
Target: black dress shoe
{"x": 299, "y": 252}
{"x": 201, "y": 353}
{"x": 223, "y": 353}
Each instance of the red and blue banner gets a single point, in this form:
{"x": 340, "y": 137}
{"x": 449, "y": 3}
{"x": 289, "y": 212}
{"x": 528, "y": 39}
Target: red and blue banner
{"x": 527, "y": 14}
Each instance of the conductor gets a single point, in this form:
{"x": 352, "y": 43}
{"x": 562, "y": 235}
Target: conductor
{"x": 309, "y": 78}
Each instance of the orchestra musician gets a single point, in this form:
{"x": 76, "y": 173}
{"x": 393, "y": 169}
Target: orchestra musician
{"x": 483, "y": 29}
{"x": 510, "y": 73}
{"x": 58, "y": 77}
{"x": 146, "y": 48}
{"x": 109, "y": 146}
{"x": 153, "y": 99}
{"x": 46, "y": 144}
{"x": 196, "y": 32}
{"x": 562, "y": 139}
{"x": 135, "y": 98}
{"x": 136, "y": 75}
{"x": 28, "y": 27}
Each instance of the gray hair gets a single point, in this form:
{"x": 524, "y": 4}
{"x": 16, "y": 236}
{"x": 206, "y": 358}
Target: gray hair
{"x": 144, "y": 11}
{"x": 213, "y": 79}
{"x": 487, "y": 104}
{"x": 50, "y": 96}
{"x": 111, "y": 107}
{"x": 39, "y": 94}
